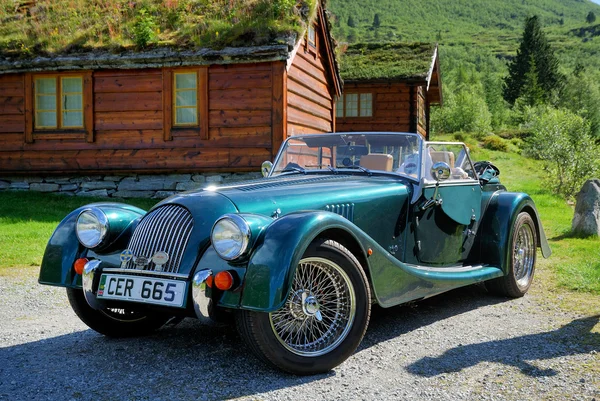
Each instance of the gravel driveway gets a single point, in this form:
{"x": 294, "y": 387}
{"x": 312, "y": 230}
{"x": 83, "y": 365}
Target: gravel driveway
{"x": 461, "y": 345}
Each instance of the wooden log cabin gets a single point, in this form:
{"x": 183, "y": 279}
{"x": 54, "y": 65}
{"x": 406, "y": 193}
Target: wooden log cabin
{"x": 389, "y": 87}
{"x": 166, "y": 110}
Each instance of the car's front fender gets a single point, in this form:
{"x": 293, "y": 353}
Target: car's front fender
{"x": 64, "y": 248}
{"x": 272, "y": 265}
{"x": 496, "y": 228}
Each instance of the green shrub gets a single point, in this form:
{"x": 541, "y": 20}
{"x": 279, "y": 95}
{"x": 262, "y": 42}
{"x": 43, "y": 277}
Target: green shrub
{"x": 494, "y": 142}
{"x": 563, "y": 140}
{"x": 459, "y": 136}
{"x": 143, "y": 28}
{"x": 462, "y": 111}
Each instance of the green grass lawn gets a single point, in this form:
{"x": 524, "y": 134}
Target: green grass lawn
{"x": 27, "y": 221}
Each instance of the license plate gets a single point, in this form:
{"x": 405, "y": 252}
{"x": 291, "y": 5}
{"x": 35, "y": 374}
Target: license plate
{"x": 142, "y": 289}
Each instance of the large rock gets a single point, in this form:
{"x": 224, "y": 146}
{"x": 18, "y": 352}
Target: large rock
{"x": 92, "y": 185}
{"x": 43, "y": 187}
{"x": 147, "y": 183}
{"x": 587, "y": 211}
{"x": 133, "y": 194}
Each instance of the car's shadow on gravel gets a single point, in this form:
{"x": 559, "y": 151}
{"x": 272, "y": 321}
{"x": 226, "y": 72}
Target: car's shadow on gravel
{"x": 571, "y": 339}
{"x": 192, "y": 361}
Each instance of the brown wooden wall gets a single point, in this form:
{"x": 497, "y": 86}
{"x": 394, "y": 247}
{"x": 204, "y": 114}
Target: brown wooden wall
{"x": 397, "y": 107}
{"x": 129, "y": 125}
{"x": 12, "y": 107}
{"x": 310, "y": 91}
{"x": 421, "y": 111}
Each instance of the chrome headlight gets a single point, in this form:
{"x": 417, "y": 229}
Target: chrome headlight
{"x": 91, "y": 227}
{"x": 230, "y": 236}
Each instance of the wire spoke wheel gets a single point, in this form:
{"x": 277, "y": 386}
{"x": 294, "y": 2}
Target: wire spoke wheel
{"x": 524, "y": 255}
{"x": 520, "y": 261}
{"x": 319, "y": 311}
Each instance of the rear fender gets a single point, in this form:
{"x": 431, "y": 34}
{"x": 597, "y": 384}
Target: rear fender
{"x": 497, "y": 226}
{"x": 272, "y": 265}
{"x": 64, "y": 248}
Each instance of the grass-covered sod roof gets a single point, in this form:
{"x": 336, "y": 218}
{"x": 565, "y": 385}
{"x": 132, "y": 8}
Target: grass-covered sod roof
{"x": 55, "y": 27}
{"x": 388, "y": 61}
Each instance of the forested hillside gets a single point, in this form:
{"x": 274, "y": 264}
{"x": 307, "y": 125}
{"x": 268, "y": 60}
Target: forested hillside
{"x": 556, "y": 120}
{"x": 492, "y": 25}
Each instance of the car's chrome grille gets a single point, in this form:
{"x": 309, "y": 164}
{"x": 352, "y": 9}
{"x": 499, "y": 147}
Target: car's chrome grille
{"x": 166, "y": 229}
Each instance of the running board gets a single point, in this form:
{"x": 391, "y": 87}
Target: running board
{"x": 472, "y": 273}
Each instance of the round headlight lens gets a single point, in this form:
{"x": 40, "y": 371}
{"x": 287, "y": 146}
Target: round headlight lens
{"x": 230, "y": 236}
{"x": 91, "y": 227}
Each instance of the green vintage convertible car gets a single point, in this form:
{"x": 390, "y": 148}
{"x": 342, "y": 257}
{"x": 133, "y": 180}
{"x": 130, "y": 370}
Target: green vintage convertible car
{"x": 297, "y": 259}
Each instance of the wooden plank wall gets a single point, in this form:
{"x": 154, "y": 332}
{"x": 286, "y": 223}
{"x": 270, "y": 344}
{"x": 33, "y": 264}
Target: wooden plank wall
{"x": 309, "y": 99}
{"x": 129, "y": 128}
{"x": 391, "y": 108}
{"x": 421, "y": 111}
{"x": 12, "y": 108}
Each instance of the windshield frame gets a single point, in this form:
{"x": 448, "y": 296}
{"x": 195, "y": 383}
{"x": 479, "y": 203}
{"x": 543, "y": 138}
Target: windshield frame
{"x": 330, "y": 170}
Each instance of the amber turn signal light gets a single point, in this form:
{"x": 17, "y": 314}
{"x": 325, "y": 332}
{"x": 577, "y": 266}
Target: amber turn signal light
{"x": 79, "y": 265}
{"x": 223, "y": 280}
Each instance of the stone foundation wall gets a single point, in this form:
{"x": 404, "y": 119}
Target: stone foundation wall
{"x": 118, "y": 186}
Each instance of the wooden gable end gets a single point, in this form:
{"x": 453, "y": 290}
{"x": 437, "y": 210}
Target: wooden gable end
{"x": 312, "y": 83}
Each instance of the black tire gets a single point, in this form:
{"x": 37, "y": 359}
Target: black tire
{"x": 523, "y": 246}
{"x": 114, "y": 322}
{"x": 341, "y": 277}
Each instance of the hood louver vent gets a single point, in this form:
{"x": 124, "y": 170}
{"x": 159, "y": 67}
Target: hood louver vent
{"x": 345, "y": 210}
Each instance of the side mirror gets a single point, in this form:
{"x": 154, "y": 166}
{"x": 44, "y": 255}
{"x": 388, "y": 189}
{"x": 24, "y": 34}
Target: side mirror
{"x": 440, "y": 171}
{"x": 266, "y": 168}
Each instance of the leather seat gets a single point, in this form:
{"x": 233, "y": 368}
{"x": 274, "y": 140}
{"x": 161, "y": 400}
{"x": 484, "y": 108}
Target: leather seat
{"x": 376, "y": 161}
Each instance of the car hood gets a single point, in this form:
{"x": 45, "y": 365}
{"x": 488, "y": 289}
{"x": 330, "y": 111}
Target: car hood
{"x": 367, "y": 201}
{"x": 284, "y": 195}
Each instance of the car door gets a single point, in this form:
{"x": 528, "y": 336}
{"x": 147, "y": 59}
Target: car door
{"x": 446, "y": 216}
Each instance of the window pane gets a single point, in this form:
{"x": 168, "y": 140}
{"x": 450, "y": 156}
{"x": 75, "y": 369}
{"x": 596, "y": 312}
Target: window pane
{"x": 46, "y": 86}
{"x": 185, "y": 81}
{"x": 46, "y": 102}
{"x": 366, "y": 105}
{"x": 352, "y": 105}
{"x": 45, "y": 120}
{"x": 72, "y": 102}
{"x": 72, "y": 85}
{"x": 72, "y": 119}
{"x": 339, "y": 107}
{"x": 186, "y": 98}
{"x": 312, "y": 37}
{"x": 186, "y": 116}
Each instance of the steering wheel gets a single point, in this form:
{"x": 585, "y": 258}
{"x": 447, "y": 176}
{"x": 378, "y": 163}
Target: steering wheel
{"x": 486, "y": 170}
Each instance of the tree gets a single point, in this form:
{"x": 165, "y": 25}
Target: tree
{"x": 562, "y": 140}
{"x": 376, "y": 21}
{"x": 531, "y": 93}
{"x": 591, "y": 17}
{"x": 534, "y": 50}
{"x": 351, "y": 22}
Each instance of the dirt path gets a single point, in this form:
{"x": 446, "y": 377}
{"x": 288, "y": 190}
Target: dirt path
{"x": 461, "y": 345}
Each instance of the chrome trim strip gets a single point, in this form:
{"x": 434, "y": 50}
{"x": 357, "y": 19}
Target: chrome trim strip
{"x": 87, "y": 280}
{"x": 449, "y": 269}
{"x": 201, "y": 294}
{"x": 145, "y": 273}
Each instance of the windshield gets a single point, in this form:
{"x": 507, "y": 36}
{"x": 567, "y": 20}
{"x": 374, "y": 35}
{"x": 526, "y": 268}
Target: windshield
{"x": 392, "y": 153}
